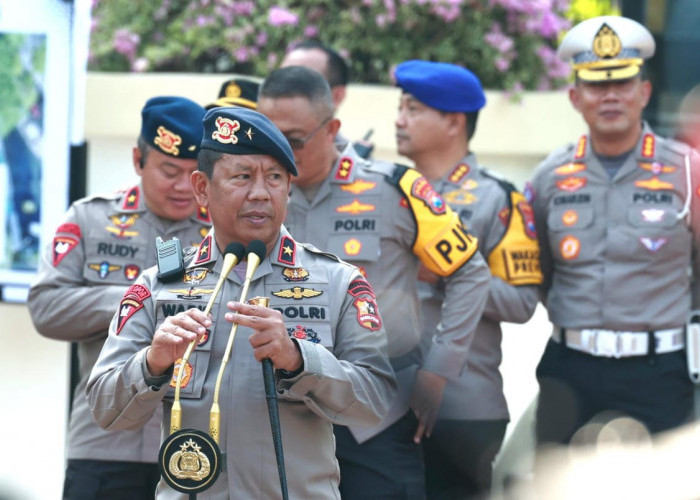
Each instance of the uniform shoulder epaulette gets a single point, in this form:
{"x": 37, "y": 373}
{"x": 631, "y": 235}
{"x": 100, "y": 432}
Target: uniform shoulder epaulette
{"x": 508, "y": 187}
{"x": 385, "y": 168}
{"x": 395, "y": 172}
{"x": 189, "y": 255}
{"x": 562, "y": 154}
{"x": 189, "y": 251}
{"x": 98, "y": 197}
{"x": 315, "y": 250}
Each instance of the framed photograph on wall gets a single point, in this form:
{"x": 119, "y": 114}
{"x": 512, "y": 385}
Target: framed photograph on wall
{"x": 35, "y": 124}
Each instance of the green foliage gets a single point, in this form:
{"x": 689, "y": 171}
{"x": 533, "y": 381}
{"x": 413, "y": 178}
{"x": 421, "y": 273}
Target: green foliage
{"x": 509, "y": 44}
{"x": 586, "y": 9}
{"x": 21, "y": 60}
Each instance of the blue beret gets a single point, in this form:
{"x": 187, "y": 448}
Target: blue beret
{"x": 442, "y": 86}
{"x": 243, "y": 131}
{"x": 172, "y": 125}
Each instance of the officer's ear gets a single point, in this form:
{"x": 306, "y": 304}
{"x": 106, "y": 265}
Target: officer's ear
{"x": 137, "y": 160}
{"x": 574, "y": 96}
{"x": 333, "y": 127}
{"x": 338, "y": 93}
{"x": 646, "y": 92}
{"x": 456, "y": 124}
{"x": 200, "y": 187}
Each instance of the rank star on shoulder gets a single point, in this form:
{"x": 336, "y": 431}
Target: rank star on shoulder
{"x": 287, "y": 250}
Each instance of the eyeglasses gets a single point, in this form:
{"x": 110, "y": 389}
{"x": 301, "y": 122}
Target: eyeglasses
{"x": 297, "y": 143}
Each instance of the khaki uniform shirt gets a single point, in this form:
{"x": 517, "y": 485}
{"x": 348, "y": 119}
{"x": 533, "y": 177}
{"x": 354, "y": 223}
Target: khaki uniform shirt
{"x": 346, "y": 378}
{"x": 616, "y": 253}
{"x": 361, "y": 214}
{"x": 97, "y": 252}
{"x": 493, "y": 211}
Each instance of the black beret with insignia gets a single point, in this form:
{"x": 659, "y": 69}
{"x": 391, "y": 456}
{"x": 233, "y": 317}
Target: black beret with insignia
{"x": 241, "y": 92}
{"x": 242, "y": 131}
{"x": 172, "y": 125}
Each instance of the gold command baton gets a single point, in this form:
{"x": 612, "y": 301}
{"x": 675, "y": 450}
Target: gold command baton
{"x": 189, "y": 460}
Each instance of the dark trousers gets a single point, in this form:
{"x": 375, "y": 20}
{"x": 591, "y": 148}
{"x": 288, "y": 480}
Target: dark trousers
{"x": 459, "y": 458}
{"x": 102, "y": 480}
{"x": 576, "y": 388}
{"x": 386, "y": 467}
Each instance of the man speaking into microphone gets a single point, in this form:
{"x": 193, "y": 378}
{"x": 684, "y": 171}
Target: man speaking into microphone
{"x": 330, "y": 360}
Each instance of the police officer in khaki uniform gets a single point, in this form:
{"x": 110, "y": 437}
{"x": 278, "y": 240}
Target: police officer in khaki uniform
{"x": 322, "y": 332}
{"x": 315, "y": 55}
{"x": 618, "y": 222}
{"x": 387, "y": 220}
{"x": 437, "y": 118}
{"x": 99, "y": 250}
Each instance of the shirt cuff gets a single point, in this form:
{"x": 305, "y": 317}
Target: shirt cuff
{"x": 153, "y": 381}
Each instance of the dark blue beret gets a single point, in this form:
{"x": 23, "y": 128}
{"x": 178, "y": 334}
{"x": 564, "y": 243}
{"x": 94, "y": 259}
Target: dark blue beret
{"x": 242, "y": 131}
{"x": 442, "y": 86}
{"x": 172, "y": 125}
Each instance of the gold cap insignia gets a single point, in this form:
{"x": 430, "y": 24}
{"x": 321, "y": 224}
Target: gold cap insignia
{"x": 606, "y": 43}
{"x": 233, "y": 90}
{"x": 167, "y": 141}
{"x": 226, "y": 130}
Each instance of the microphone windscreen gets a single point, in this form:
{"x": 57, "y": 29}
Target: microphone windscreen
{"x": 235, "y": 248}
{"x": 258, "y": 248}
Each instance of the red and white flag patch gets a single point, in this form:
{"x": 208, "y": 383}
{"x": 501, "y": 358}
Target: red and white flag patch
{"x": 62, "y": 245}
{"x": 131, "y": 303}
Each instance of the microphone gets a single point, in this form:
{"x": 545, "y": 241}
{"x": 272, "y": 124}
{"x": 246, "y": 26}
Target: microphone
{"x": 255, "y": 253}
{"x": 233, "y": 253}
{"x": 232, "y": 256}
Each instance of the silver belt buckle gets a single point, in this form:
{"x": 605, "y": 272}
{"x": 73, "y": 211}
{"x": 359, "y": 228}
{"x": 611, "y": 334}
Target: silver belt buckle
{"x": 607, "y": 344}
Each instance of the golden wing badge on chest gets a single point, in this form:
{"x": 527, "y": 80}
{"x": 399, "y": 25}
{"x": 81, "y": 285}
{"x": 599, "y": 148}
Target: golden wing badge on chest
{"x": 297, "y": 293}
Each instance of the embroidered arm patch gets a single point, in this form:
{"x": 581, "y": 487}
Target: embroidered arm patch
{"x": 66, "y": 239}
{"x": 131, "y": 303}
{"x": 365, "y": 304}
{"x": 442, "y": 244}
